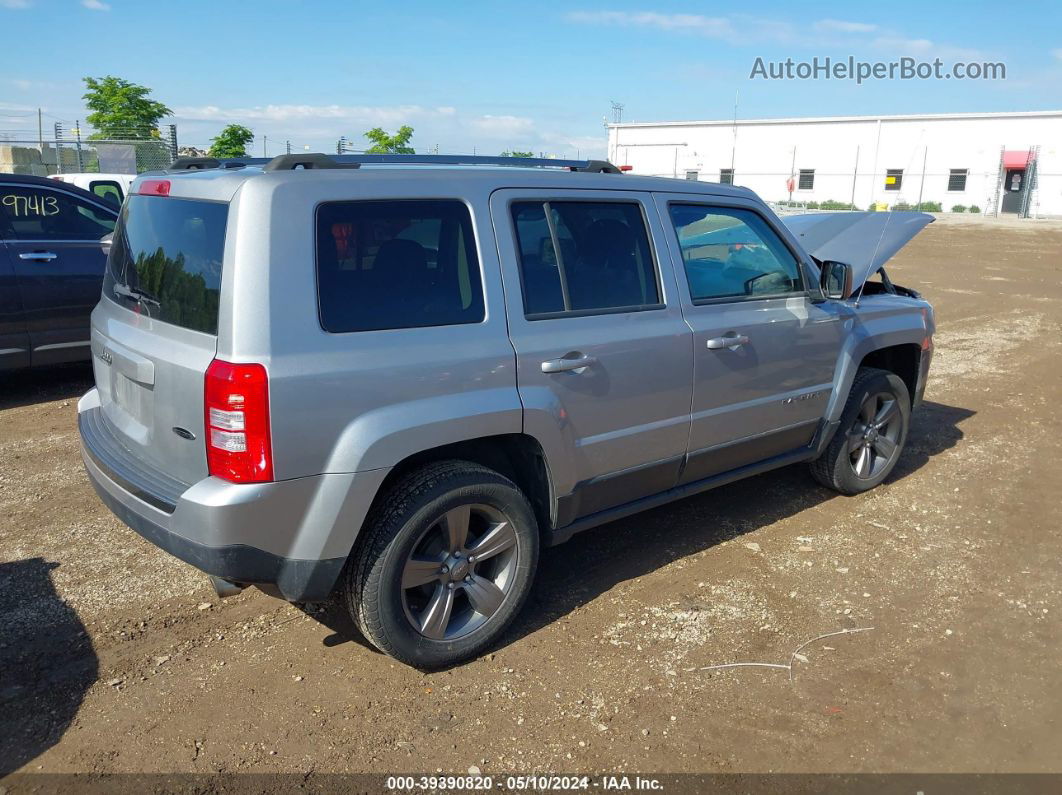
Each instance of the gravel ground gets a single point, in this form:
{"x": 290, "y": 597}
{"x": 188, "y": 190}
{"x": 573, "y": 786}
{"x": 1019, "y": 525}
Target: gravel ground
{"x": 115, "y": 657}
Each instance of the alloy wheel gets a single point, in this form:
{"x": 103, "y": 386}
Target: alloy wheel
{"x": 459, "y": 572}
{"x": 874, "y": 439}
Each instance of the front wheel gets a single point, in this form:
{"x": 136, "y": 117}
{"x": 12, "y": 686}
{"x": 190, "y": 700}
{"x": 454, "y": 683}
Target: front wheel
{"x": 446, "y": 563}
{"x": 871, "y": 434}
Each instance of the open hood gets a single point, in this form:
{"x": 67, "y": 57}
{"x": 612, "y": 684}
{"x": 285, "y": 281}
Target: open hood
{"x": 865, "y": 241}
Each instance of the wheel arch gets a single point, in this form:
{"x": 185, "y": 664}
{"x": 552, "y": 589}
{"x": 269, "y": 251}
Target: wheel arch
{"x": 517, "y": 456}
{"x": 904, "y": 360}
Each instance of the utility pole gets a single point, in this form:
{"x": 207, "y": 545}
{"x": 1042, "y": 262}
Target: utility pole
{"x": 792, "y": 175}
{"x": 287, "y": 147}
{"x": 40, "y": 130}
{"x": 617, "y": 112}
{"x": 77, "y": 138}
{"x": 922, "y": 185}
{"x": 733, "y": 147}
{"x": 58, "y": 152}
{"x": 265, "y": 141}
{"x": 855, "y": 176}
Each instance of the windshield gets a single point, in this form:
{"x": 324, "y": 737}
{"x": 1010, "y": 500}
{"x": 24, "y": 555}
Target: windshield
{"x": 165, "y": 260}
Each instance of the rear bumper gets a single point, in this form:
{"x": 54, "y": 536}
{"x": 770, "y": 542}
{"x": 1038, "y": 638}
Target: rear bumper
{"x": 292, "y": 537}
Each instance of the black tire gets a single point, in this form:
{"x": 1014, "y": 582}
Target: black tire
{"x": 837, "y": 467}
{"x": 412, "y": 516}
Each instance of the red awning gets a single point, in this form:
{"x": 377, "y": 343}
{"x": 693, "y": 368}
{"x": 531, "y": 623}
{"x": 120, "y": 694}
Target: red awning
{"x": 1015, "y": 158}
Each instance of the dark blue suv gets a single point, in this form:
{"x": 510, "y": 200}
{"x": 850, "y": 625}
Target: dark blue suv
{"x": 52, "y": 260}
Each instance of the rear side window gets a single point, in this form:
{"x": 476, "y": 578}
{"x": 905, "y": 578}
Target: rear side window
{"x": 396, "y": 264}
{"x": 165, "y": 260}
{"x": 30, "y": 213}
{"x": 584, "y": 257}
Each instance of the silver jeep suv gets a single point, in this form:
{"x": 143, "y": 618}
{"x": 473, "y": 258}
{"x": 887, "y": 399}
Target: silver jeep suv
{"x": 390, "y": 380}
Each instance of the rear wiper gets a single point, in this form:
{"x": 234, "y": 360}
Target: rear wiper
{"x": 134, "y": 294}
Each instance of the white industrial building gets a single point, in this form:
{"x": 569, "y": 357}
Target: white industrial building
{"x": 1008, "y": 163}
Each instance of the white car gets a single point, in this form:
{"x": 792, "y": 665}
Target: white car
{"x": 109, "y": 187}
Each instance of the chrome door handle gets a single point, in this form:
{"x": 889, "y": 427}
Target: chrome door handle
{"x": 38, "y": 256}
{"x": 729, "y": 341}
{"x": 576, "y": 362}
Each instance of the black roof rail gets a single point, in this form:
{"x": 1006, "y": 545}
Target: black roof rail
{"x": 600, "y": 167}
{"x": 318, "y": 160}
{"x": 309, "y": 160}
{"x": 199, "y": 163}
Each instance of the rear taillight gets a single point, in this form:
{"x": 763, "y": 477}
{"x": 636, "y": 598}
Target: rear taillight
{"x": 237, "y": 422}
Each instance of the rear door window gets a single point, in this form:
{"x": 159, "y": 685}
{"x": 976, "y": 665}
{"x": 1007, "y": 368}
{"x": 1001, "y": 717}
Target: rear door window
{"x": 166, "y": 258}
{"x": 584, "y": 257}
{"x": 396, "y": 264}
{"x": 31, "y": 213}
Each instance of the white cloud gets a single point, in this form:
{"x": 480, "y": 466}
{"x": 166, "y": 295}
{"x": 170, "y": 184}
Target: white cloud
{"x": 715, "y": 27}
{"x": 502, "y": 125}
{"x": 894, "y": 46}
{"x": 95, "y": 5}
{"x": 14, "y": 4}
{"x": 744, "y": 29}
{"x": 1057, "y": 54}
{"x": 396, "y": 114}
{"x": 903, "y": 46}
{"x": 844, "y": 26}
{"x": 448, "y": 127}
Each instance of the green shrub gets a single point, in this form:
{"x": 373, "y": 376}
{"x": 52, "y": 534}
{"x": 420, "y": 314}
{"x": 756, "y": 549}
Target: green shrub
{"x": 831, "y": 204}
{"x": 901, "y": 207}
{"x": 959, "y": 208}
{"x": 974, "y": 208}
{"x": 812, "y": 205}
{"x": 929, "y": 207}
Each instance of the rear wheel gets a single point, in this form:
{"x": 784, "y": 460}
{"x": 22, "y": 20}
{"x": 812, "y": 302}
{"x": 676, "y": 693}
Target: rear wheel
{"x": 445, "y": 564}
{"x": 871, "y": 434}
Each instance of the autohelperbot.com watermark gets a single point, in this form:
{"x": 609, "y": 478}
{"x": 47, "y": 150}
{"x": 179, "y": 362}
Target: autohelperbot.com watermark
{"x": 851, "y": 68}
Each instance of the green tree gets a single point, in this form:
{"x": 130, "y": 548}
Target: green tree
{"x": 231, "y": 142}
{"x": 517, "y": 153}
{"x": 121, "y": 109}
{"x": 383, "y": 144}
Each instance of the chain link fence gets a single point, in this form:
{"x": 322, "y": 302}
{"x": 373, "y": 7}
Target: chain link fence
{"x": 67, "y": 151}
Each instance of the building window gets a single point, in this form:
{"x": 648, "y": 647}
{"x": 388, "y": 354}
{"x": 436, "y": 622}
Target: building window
{"x": 806, "y": 181}
{"x": 957, "y": 179}
{"x": 893, "y": 178}
{"x": 726, "y": 176}
{"x": 692, "y": 175}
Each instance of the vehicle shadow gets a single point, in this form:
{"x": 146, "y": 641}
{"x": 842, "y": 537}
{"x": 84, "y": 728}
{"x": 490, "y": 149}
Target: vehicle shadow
{"x": 47, "y": 660}
{"x": 593, "y": 562}
{"x": 27, "y": 387}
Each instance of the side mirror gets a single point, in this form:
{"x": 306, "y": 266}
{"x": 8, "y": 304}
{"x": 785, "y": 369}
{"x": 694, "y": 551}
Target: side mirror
{"x": 836, "y": 279}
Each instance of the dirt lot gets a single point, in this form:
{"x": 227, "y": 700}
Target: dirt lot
{"x": 115, "y": 657}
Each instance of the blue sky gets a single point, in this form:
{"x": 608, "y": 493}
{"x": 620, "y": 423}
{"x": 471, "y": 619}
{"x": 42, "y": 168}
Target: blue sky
{"x": 490, "y": 76}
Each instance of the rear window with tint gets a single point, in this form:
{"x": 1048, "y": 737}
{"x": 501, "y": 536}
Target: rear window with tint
{"x": 165, "y": 260}
{"x": 396, "y": 264}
